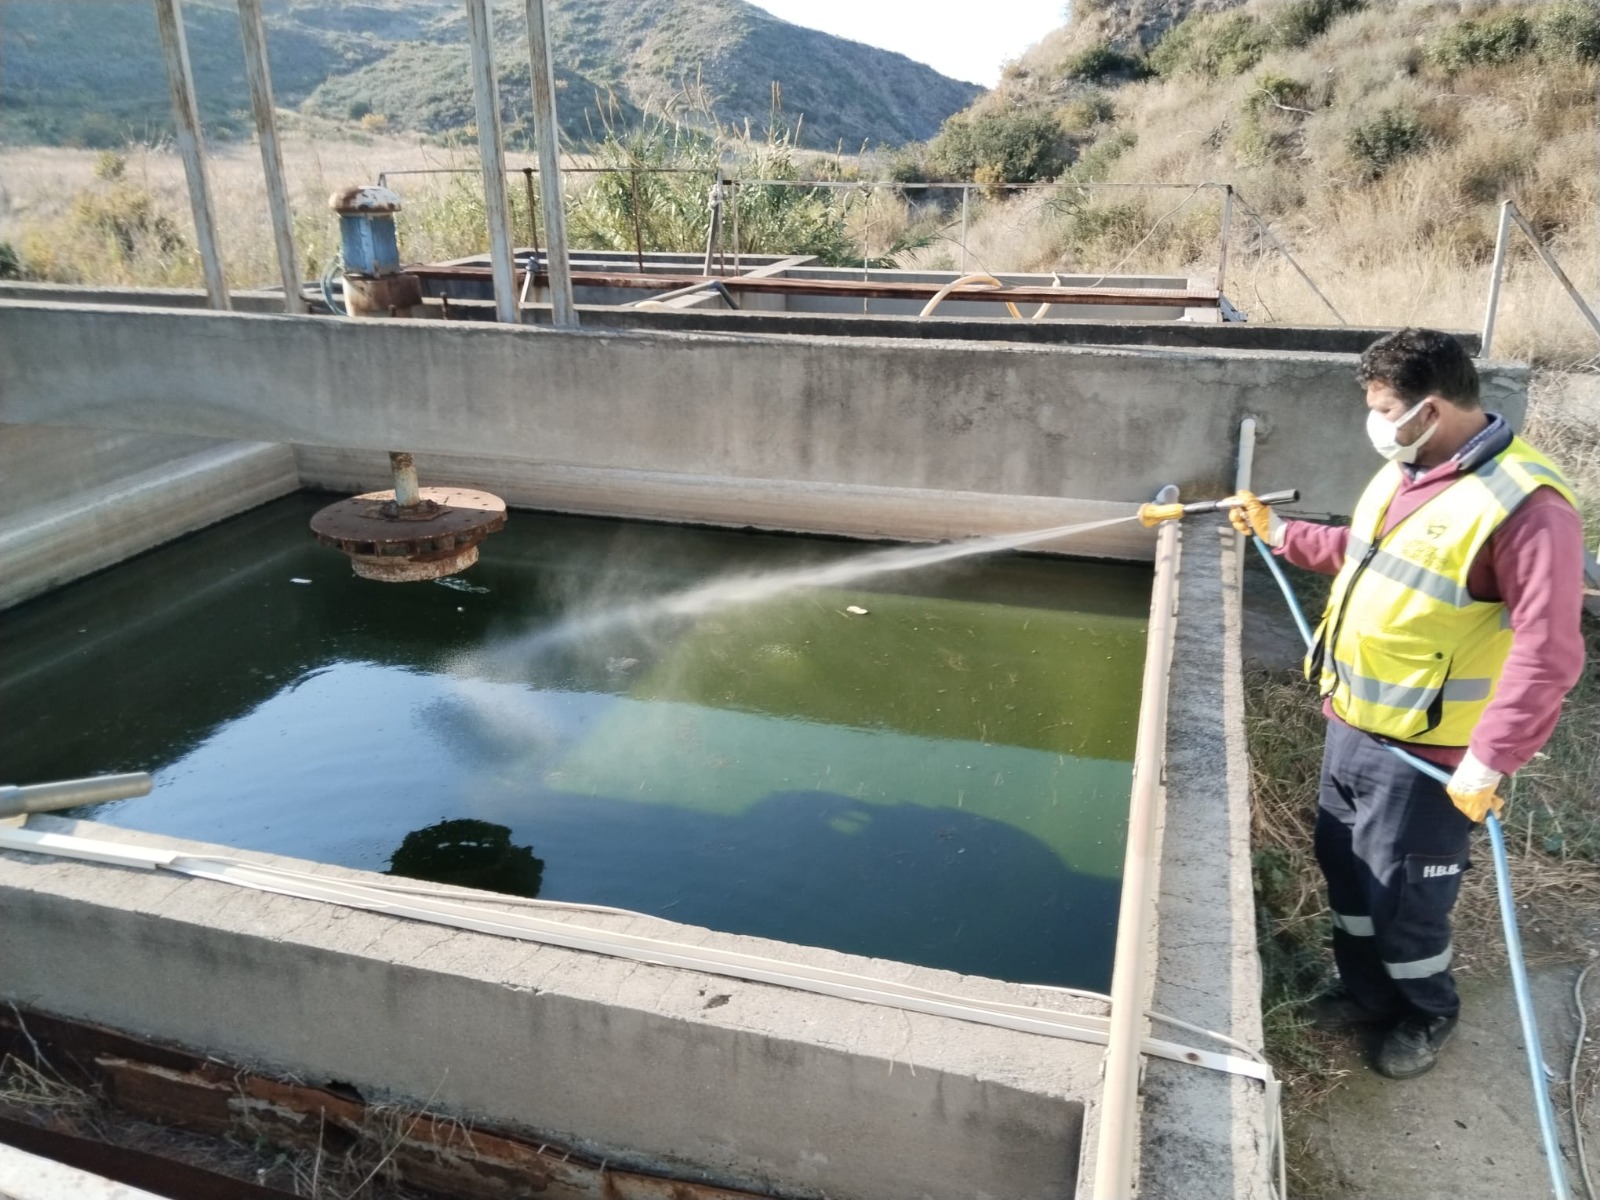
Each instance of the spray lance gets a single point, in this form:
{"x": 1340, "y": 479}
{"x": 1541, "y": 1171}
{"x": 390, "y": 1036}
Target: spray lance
{"x": 1151, "y": 515}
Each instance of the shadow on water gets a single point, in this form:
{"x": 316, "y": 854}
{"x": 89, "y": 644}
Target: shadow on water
{"x": 465, "y": 852}
{"x": 938, "y": 887}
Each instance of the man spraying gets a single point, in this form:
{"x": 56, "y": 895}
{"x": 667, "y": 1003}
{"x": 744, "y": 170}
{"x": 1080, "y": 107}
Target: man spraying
{"x": 1454, "y": 629}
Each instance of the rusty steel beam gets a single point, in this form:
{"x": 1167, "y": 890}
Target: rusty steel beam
{"x": 137, "y": 1168}
{"x": 437, "y": 1154}
{"x": 862, "y": 289}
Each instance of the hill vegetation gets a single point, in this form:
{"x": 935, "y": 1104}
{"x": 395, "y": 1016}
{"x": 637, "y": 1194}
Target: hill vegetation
{"x": 90, "y": 74}
{"x": 1376, "y": 137}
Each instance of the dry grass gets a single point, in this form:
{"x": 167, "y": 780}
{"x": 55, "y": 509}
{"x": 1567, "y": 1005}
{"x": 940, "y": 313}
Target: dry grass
{"x": 1411, "y": 246}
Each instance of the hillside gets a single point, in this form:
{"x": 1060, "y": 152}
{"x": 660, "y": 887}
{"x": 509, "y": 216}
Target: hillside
{"x": 90, "y": 74}
{"x": 1376, "y": 136}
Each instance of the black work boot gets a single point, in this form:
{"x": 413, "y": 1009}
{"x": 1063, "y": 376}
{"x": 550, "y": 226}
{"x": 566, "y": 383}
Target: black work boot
{"x": 1336, "y": 1010}
{"x": 1412, "y": 1046}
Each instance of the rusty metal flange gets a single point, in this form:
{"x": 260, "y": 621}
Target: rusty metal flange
{"x": 435, "y": 538}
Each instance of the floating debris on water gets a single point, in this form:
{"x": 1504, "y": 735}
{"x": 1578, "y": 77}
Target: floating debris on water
{"x": 456, "y": 584}
{"x": 855, "y": 610}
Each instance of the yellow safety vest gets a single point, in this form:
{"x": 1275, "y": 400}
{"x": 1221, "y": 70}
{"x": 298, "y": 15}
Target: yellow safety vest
{"x": 1403, "y": 650}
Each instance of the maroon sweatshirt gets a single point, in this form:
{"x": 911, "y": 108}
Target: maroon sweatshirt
{"x": 1534, "y": 563}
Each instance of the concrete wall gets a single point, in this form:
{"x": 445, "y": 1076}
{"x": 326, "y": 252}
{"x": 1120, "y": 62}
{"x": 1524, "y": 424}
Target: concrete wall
{"x": 1006, "y": 421}
{"x": 77, "y": 500}
{"x": 732, "y": 1082}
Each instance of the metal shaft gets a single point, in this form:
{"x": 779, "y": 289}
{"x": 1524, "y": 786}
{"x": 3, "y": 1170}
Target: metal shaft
{"x": 253, "y": 33}
{"x": 542, "y": 79}
{"x": 406, "y": 492}
{"x": 70, "y": 793}
{"x": 186, "y": 122}
{"x": 491, "y": 149}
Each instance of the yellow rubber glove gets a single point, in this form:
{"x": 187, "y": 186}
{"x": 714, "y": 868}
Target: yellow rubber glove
{"x": 1249, "y": 516}
{"x": 1473, "y": 788}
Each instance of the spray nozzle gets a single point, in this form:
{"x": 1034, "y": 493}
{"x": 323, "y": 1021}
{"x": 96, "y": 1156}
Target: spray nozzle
{"x": 1151, "y": 515}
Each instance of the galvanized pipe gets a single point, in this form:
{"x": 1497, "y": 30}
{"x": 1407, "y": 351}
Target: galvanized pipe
{"x": 70, "y": 793}
{"x": 1113, "y": 1168}
{"x": 542, "y": 79}
{"x": 491, "y": 149}
{"x": 253, "y": 34}
{"x": 1496, "y": 274}
{"x": 186, "y": 123}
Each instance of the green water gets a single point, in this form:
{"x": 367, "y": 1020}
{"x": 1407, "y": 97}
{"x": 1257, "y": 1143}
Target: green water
{"x": 942, "y": 781}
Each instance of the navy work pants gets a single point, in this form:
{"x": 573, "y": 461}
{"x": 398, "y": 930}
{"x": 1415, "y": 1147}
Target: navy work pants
{"x": 1392, "y": 847}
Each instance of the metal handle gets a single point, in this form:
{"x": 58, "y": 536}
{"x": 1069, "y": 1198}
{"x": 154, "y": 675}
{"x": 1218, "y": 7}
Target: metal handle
{"x": 70, "y": 793}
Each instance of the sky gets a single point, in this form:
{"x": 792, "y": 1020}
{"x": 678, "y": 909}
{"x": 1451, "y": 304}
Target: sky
{"x": 961, "y": 40}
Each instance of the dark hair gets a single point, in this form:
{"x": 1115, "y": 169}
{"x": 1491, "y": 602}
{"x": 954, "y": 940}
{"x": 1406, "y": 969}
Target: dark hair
{"x": 1418, "y": 363}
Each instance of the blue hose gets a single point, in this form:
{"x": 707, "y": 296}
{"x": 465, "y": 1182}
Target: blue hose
{"x": 1508, "y": 918}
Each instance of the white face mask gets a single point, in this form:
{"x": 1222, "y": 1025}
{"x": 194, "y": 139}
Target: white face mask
{"x": 1384, "y": 435}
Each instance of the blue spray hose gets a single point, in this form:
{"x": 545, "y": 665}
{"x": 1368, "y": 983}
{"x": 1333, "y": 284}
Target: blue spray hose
{"x": 1508, "y": 918}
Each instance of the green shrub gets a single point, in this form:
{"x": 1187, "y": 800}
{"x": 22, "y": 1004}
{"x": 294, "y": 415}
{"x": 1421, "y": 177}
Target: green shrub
{"x": 1491, "y": 42}
{"x": 1088, "y": 111}
{"x": 10, "y": 262}
{"x": 1211, "y": 45}
{"x": 1570, "y": 30}
{"x": 1387, "y": 138}
{"x": 909, "y": 164}
{"x": 126, "y": 221}
{"x": 1004, "y": 147}
{"x": 1101, "y": 62}
{"x": 1095, "y": 163}
{"x": 1300, "y": 22}
{"x": 1273, "y": 91}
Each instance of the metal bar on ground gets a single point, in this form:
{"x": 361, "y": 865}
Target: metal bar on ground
{"x": 254, "y": 36}
{"x": 186, "y": 124}
{"x": 1496, "y": 273}
{"x": 1555, "y": 268}
{"x": 876, "y": 289}
{"x": 542, "y": 79}
{"x": 1113, "y": 1166}
{"x": 1261, "y": 223}
{"x": 491, "y": 149}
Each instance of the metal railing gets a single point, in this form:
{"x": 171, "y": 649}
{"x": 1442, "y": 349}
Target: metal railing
{"x": 1509, "y": 215}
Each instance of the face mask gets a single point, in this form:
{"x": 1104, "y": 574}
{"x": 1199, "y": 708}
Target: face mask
{"x": 1384, "y": 435}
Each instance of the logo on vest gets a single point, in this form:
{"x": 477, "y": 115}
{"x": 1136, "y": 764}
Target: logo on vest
{"x": 1434, "y": 870}
{"x": 1437, "y": 528}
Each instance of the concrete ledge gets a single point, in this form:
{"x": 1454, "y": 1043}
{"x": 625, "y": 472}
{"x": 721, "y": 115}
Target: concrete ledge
{"x": 737, "y": 1083}
{"x": 706, "y": 313}
{"x": 173, "y": 489}
{"x": 1203, "y": 1133}
{"x": 1013, "y": 420}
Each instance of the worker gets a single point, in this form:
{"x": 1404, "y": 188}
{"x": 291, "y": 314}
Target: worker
{"x": 1452, "y": 629}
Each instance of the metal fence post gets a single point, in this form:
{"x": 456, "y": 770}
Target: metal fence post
{"x": 1227, "y": 230}
{"x": 491, "y": 149}
{"x": 186, "y": 120}
{"x": 966, "y": 191}
{"x": 253, "y": 34}
{"x": 1496, "y": 273}
{"x": 541, "y": 78}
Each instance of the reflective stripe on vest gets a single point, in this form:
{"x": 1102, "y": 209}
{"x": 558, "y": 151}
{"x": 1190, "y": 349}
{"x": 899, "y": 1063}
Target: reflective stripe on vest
{"x": 1404, "y": 650}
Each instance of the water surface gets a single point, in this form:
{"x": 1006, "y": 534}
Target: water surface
{"x": 943, "y": 780}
